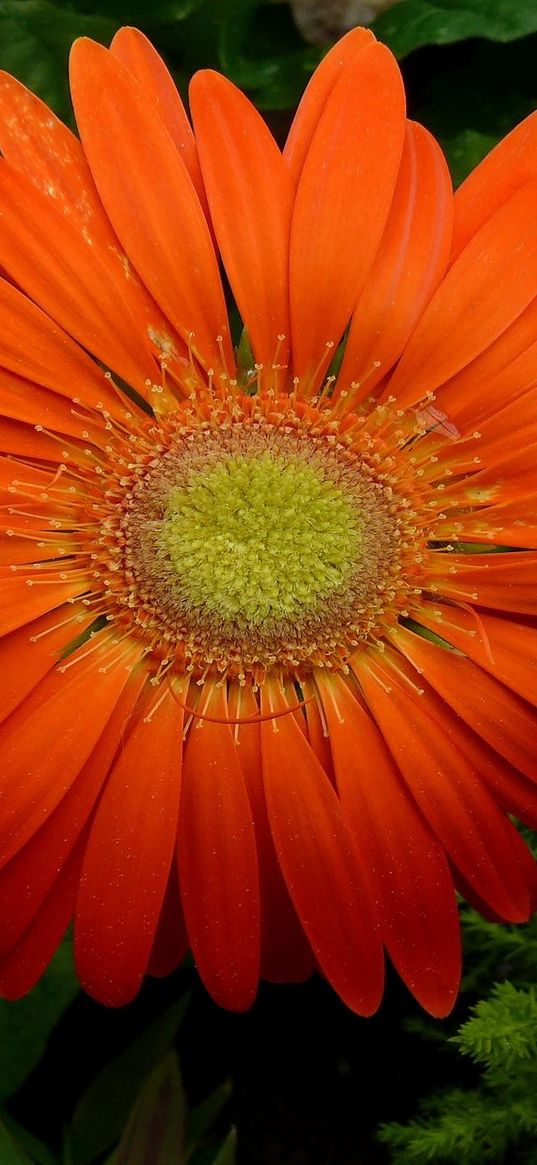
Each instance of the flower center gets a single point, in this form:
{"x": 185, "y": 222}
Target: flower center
{"x": 257, "y": 538}
{"x": 261, "y": 536}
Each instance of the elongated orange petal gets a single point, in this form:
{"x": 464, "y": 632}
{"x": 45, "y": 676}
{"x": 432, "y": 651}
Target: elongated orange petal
{"x": 150, "y": 217}
{"x": 496, "y": 714}
{"x": 24, "y": 965}
{"x": 320, "y": 865}
{"x": 250, "y": 200}
{"x": 26, "y": 655}
{"x": 499, "y": 374}
{"x": 285, "y": 953}
{"x": 218, "y": 872}
{"x": 32, "y": 346}
{"x": 406, "y": 866}
{"x": 407, "y": 269}
{"x": 134, "y": 829}
{"x": 57, "y": 267}
{"x": 507, "y": 167}
{"x": 499, "y": 645}
{"x": 35, "y": 142}
{"x": 503, "y": 582}
{"x": 22, "y": 400}
{"x": 171, "y": 939}
{"x": 491, "y": 283}
{"x": 337, "y": 221}
{"x": 28, "y": 877}
{"x": 38, "y": 740}
{"x": 316, "y": 95}
{"x": 131, "y": 47}
{"x": 457, "y": 805}
{"x": 22, "y": 603}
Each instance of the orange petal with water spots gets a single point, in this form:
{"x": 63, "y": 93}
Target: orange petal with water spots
{"x": 28, "y": 877}
{"x": 26, "y": 655}
{"x": 503, "y": 582}
{"x": 285, "y": 953}
{"x": 50, "y": 736}
{"x": 319, "y": 862}
{"x": 454, "y": 801}
{"x": 24, "y": 965}
{"x": 503, "y": 647}
{"x": 406, "y": 866}
{"x": 22, "y": 603}
{"x": 218, "y": 872}
{"x": 495, "y": 713}
{"x": 129, "y": 854}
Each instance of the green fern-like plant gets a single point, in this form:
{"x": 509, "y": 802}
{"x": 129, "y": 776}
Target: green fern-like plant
{"x": 497, "y": 1121}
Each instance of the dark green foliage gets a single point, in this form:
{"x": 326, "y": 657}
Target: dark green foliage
{"x": 413, "y": 23}
{"x": 497, "y": 1120}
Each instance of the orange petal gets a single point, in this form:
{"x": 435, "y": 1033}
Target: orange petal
{"x": 35, "y": 142}
{"x": 32, "y": 346}
{"x": 342, "y": 203}
{"x": 407, "y": 868}
{"x": 456, "y": 804}
{"x": 129, "y": 854}
{"x": 50, "y": 736}
{"x": 285, "y": 953}
{"x": 160, "y": 223}
{"x": 22, "y": 400}
{"x": 22, "y": 602}
{"x": 504, "y": 582}
{"x": 316, "y": 95}
{"x": 136, "y": 52}
{"x": 511, "y": 163}
{"x": 25, "y": 964}
{"x": 65, "y": 275}
{"x": 408, "y": 267}
{"x": 26, "y": 655}
{"x": 27, "y": 879}
{"x": 496, "y": 714}
{"x": 23, "y": 441}
{"x": 218, "y": 872}
{"x": 489, "y": 285}
{"x": 501, "y": 373}
{"x": 319, "y": 863}
{"x": 171, "y": 939}
{"x": 506, "y": 649}
{"x": 249, "y": 195}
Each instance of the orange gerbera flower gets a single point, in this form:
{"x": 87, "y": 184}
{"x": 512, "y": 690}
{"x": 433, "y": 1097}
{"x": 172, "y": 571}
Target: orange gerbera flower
{"x": 269, "y": 684}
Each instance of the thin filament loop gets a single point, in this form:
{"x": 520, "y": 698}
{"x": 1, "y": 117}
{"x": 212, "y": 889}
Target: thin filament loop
{"x": 237, "y": 719}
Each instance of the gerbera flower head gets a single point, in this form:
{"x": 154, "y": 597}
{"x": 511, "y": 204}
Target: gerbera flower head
{"x": 268, "y": 618}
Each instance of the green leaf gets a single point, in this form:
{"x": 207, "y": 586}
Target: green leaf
{"x": 227, "y": 1152}
{"x": 35, "y": 1148}
{"x": 10, "y": 1152}
{"x": 473, "y": 95}
{"x": 104, "y": 1110}
{"x": 154, "y": 1131}
{"x": 413, "y": 23}
{"x": 26, "y": 1024}
{"x": 35, "y": 38}
{"x": 203, "y": 1115}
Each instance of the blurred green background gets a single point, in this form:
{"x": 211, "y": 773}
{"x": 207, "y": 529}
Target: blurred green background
{"x": 299, "y": 1080}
